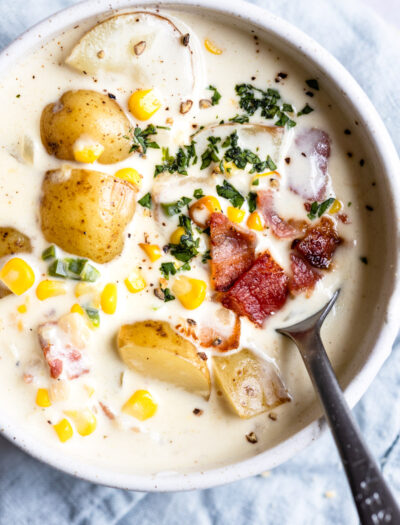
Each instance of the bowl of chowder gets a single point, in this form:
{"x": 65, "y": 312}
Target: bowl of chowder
{"x": 179, "y": 180}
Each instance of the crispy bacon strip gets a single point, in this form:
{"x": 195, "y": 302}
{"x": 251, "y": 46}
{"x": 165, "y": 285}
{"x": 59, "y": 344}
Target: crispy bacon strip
{"x": 209, "y": 337}
{"x": 319, "y": 243}
{"x": 232, "y": 251}
{"x": 281, "y": 228}
{"x": 62, "y": 343}
{"x": 303, "y": 276}
{"x": 260, "y": 292}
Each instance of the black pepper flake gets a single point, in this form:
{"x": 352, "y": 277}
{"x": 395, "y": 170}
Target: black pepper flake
{"x": 287, "y": 160}
{"x": 347, "y": 131}
{"x": 217, "y": 341}
{"x": 202, "y": 356}
{"x": 198, "y": 411}
{"x": 362, "y": 162}
{"x": 369, "y": 207}
{"x": 185, "y": 39}
{"x": 304, "y": 155}
{"x": 282, "y": 75}
{"x": 253, "y": 78}
{"x": 273, "y": 416}
{"x": 192, "y": 322}
{"x": 129, "y": 235}
{"x": 165, "y": 248}
{"x": 251, "y": 438}
{"x": 110, "y": 95}
{"x": 364, "y": 260}
{"x": 349, "y": 154}
{"x": 309, "y": 93}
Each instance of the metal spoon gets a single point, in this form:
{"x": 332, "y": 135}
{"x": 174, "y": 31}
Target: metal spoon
{"x": 373, "y": 498}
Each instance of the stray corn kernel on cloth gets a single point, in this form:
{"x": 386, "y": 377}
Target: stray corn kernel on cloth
{"x": 310, "y": 489}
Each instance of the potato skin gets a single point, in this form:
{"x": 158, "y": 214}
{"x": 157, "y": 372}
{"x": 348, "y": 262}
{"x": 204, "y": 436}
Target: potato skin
{"x": 88, "y": 113}
{"x": 12, "y": 241}
{"x": 85, "y": 212}
{"x": 153, "y": 348}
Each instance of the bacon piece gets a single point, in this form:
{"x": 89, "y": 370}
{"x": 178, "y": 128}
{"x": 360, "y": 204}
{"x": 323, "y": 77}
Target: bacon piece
{"x": 209, "y": 337}
{"x": 303, "y": 276}
{"x": 319, "y": 243}
{"x": 232, "y": 251}
{"x": 62, "y": 342}
{"x": 308, "y": 170}
{"x": 280, "y": 228}
{"x": 260, "y": 292}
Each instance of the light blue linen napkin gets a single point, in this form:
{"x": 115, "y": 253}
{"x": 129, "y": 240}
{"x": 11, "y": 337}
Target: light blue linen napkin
{"x": 310, "y": 489}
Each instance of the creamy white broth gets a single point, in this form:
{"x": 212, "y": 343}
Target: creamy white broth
{"x": 174, "y": 439}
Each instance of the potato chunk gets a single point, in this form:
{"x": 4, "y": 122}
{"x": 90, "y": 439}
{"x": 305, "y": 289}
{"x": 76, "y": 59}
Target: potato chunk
{"x": 250, "y": 385}
{"x": 89, "y": 116}
{"x": 85, "y": 212}
{"x": 153, "y": 348}
{"x": 12, "y": 241}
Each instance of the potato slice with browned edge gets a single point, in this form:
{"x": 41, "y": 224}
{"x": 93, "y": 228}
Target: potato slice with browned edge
{"x": 86, "y": 117}
{"x": 153, "y": 348}
{"x": 12, "y": 241}
{"x": 86, "y": 212}
{"x": 251, "y": 385}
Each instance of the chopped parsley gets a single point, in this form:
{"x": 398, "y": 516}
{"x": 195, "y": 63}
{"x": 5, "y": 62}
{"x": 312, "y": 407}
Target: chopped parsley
{"x": 271, "y": 164}
{"x": 198, "y": 193}
{"x": 269, "y": 102}
{"x": 211, "y": 152}
{"x": 313, "y": 84}
{"x": 239, "y": 119}
{"x": 216, "y": 95}
{"x": 185, "y": 157}
{"x": 231, "y": 194}
{"x": 252, "y": 201}
{"x": 141, "y": 139}
{"x": 168, "y": 269}
{"x": 206, "y": 257}
{"x": 188, "y": 246}
{"x": 173, "y": 208}
{"x": 305, "y": 111}
{"x": 145, "y": 201}
{"x": 318, "y": 209}
{"x": 168, "y": 295}
{"x": 241, "y": 157}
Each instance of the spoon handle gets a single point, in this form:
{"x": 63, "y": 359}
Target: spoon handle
{"x": 373, "y": 498}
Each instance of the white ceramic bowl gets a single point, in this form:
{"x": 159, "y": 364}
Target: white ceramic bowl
{"x": 379, "y": 334}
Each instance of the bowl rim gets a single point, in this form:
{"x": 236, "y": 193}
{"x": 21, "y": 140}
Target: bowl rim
{"x": 318, "y": 57}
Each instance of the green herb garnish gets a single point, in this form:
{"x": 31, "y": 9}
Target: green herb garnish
{"x": 211, "y": 153}
{"x": 76, "y": 269}
{"x": 188, "y": 246}
{"x": 229, "y": 192}
{"x": 206, "y": 257}
{"x": 184, "y": 158}
{"x": 49, "y": 253}
{"x": 271, "y": 164}
{"x": 173, "y": 208}
{"x": 313, "y": 84}
{"x": 241, "y": 157}
{"x": 145, "y": 201}
{"x": 168, "y": 295}
{"x": 252, "y": 201}
{"x": 318, "y": 209}
{"x": 305, "y": 111}
{"x": 269, "y": 102}
{"x": 168, "y": 269}
{"x": 198, "y": 193}
{"x": 216, "y": 95}
{"x": 239, "y": 119}
{"x": 93, "y": 315}
{"x": 141, "y": 139}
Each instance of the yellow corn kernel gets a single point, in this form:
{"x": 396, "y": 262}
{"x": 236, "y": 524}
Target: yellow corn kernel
{"x": 210, "y": 202}
{"x": 109, "y": 298}
{"x": 20, "y": 326}
{"x": 212, "y": 48}
{"x": 235, "y": 215}
{"x": 190, "y": 292}
{"x": 43, "y": 398}
{"x": 336, "y": 206}
{"x": 143, "y": 103}
{"x": 131, "y": 175}
{"x": 135, "y": 282}
{"x": 176, "y": 235}
{"x": 140, "y": 405}
{"x": 84, "y": 420}
{"x": 17, "y": 275}
{"x": 64, "y": 430}
{"x": 152, "y": 251}
{"x": 254, "y": 222}
{"x": 77, "y": 309}
{"x": 89, "y": 154}
{"x": 22, "y": 308}
{"x": 48, "y": 288}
